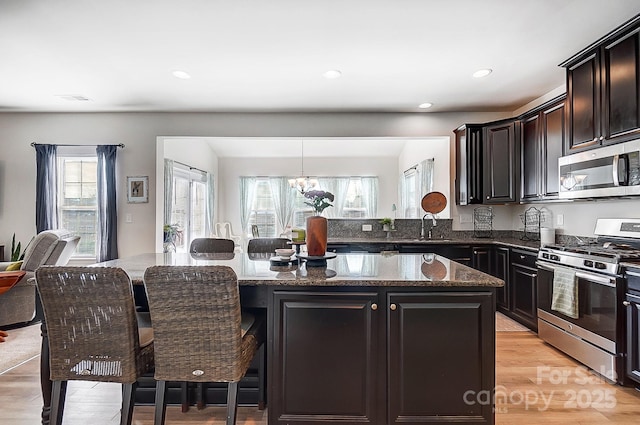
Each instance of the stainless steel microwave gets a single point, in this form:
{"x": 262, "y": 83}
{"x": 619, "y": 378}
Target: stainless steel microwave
{"x": 608, "y": 171}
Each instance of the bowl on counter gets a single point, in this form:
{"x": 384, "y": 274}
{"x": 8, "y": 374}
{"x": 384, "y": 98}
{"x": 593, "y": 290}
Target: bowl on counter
{"x": 284, "y": 253}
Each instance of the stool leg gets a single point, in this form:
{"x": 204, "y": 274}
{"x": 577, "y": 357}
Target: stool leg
{"x": 184, "y": 396}
{"x": 58, "y": 395}
{"x": 128, "y": 395}
{"x": 262, "y": 367}
{"x": 161, "y": 402}
{"x": 200, "y": 395}
{"x": 232, "y": 402}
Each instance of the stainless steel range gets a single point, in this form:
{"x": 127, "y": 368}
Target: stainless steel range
{"x": 580, "y": 295}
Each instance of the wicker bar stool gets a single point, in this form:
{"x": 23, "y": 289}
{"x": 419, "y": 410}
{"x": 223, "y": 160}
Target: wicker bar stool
{"x": 199, "y": 335}
{"x": 211, "y": 245}
{"x": 93, "y": 333}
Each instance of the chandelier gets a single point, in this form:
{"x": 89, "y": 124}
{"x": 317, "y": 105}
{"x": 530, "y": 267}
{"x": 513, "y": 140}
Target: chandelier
{"x": 302, "y": 183}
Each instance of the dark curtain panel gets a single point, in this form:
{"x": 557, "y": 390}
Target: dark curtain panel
{"x": 107, "y": 243}
{"x": 46, "y": 188}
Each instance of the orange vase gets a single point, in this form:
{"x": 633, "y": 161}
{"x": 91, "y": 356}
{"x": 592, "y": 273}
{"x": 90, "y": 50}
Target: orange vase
{"x": 316, "y": 236}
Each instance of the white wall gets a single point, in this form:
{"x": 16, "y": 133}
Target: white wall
{"x": 139, "y": 132}
{"x": 439, "y": 149}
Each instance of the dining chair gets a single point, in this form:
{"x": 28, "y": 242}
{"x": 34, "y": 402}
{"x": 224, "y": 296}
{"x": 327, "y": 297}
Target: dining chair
{"x": 212, "y": 341}
{"x": 224, "y": 230}
{"x": 211, "y": 245}
{"x": 93, "y": 332}
{"x": 267, "y": 245}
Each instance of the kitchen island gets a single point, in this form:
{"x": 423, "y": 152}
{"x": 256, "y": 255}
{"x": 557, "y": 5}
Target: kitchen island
{"x": 370, "y": 338}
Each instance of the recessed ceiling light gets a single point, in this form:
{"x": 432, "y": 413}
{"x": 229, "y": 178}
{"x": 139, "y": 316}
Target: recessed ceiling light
{"x": 425, "y": 105}
{"x": 73, "y": 97}
{"x": 331, "y": 74}
{"x": 482, "y": 73}
{"x": 183, "y": 75}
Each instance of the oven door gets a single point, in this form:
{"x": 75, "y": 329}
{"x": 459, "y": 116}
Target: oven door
{"x": 597, "y": 305}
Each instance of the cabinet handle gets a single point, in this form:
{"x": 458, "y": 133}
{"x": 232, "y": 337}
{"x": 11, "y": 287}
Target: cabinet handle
{"x": 522, "y": 257}
{"x": 374, "y": 306}
{"x": 601, "y": 138}
{"x": 595, "y": 139}
{"x": 487, "y": 197}
{"x": 393, "y": 307}
{"x": 626, "y": 303}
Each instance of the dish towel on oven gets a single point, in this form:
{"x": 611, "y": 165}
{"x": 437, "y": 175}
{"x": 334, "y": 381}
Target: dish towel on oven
{"x": 564, "y": 297}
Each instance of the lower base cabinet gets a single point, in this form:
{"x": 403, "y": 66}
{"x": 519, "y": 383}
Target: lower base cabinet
{"x": 523, "y": 287}
{"x": 381, "y": 355}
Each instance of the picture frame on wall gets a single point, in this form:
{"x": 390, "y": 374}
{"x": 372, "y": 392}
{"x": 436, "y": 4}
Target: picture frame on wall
{"x": 137, "y": 189}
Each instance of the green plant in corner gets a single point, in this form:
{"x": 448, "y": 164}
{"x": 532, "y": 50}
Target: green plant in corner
{"x": 385, "y": 220}
{"x": 15, "y": 250}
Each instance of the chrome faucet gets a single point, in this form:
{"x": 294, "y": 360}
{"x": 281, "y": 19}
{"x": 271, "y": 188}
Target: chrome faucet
{"x": 433, "y": 224}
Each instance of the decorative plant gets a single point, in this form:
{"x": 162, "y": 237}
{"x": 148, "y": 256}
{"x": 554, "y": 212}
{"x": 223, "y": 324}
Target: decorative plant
{"x": 319, "y": 200}
{"x": 170, "y": 232}
{"x": 385, "y": 220}
{"x": 15, "y": 250}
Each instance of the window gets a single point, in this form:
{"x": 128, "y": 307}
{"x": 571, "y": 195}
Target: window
{"x": 77, "y": 200}
{"x": 410, "y": 193}
{"x": 355, "y": 197}
{"x": 416, "y": 182}
{"x": 263, "y": 212}
{"x": 188, "y": 206}
{"x": 354, "y": 206}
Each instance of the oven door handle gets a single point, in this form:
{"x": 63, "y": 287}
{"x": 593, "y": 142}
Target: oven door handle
{"x": 597, "y": 279}
{"x": 616, "y": 161}
{"x": 591, "y": 277}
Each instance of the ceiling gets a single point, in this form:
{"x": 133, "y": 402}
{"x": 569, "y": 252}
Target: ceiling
{"x": 270, "y": 56}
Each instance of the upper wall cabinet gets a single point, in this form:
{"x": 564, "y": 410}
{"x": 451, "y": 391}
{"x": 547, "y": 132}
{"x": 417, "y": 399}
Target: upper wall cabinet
{"x": 468, "y": 164}
{"x": 603, "y": 91}
{"x": 542, "y": 139}
{"x": 501, "y": 163}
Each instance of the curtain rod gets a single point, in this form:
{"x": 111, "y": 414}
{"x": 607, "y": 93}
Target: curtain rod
{"x": 188, "y": 166}
{"x": 120, "y": 145}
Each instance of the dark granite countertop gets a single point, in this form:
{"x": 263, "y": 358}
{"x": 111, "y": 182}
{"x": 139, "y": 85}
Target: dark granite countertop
{"x": 504, "y": 241}
{"x": 397, "y": 270}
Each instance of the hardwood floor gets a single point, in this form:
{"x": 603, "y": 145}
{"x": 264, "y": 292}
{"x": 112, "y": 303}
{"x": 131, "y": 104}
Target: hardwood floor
{"x": 536, "y": 384}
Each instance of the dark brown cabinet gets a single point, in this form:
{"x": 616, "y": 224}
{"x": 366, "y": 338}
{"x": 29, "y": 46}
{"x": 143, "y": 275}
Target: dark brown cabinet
{"x": 381, "y": 355}
{"x": 327, "y": 346}
{"x": 482, "y": 259}
{"x": 501, "y": 163}
{"x": 603, "y": 89}
{"x": 501, "y": 271}
{"x": 435, "y": 371}
{"x": 542, "y": 143}
{"x": 468, "y": 184}
{"x": 523, "y": 278}
{"x": 632, "y": 303}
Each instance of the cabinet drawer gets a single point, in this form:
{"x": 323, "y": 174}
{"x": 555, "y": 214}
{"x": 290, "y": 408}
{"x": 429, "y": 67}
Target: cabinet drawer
{"x": 524, "y": 258}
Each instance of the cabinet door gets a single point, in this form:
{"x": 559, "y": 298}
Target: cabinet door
{"x": 500, "y": 166}
{"x": 441, "y": 348}
{"x": 531, "y": 154}
{"x": 325, "y": 363}
{"x": 523, "y": 286}
{"x": 583, "y": 106}
{"x": 482, "y": 259}
{"x": 468, "y": 165}
{"x": 501, "y": 271}
{"x": 553, "y": 131}
{"x": 621, "y": 86}
{"x": 633, "y": 337}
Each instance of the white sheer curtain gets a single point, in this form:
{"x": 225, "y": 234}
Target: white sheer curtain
{"x": 370, "y": 195}
{"x": 338, "y": 186}
{"x": 247, "y": 192}
{"x": 211, "y": 193}
{"x": 425, "y": 175}
{"x": 284, "y": 200}
{"x": 168, "y": 190}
